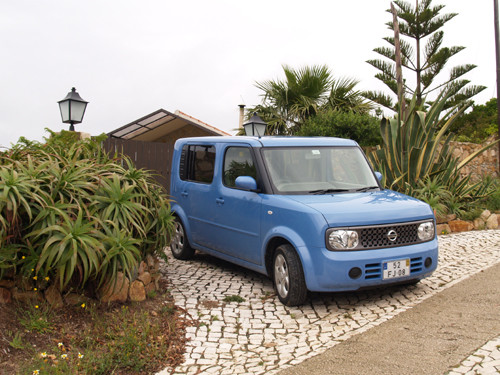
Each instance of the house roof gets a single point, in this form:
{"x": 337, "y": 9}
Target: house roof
{"x": 160, "y": 123}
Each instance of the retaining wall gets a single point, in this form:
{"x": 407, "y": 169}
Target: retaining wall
{"x": 483, "y": 165}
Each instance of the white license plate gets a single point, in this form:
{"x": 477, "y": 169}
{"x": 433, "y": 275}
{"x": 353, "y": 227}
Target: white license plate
{"x": 396, "y": 269}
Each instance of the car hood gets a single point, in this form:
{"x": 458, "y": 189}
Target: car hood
{"x": 368, "y": 208}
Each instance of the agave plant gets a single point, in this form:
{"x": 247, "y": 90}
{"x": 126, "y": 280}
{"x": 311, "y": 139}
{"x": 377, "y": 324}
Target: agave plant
{"x": 416, "y": 147}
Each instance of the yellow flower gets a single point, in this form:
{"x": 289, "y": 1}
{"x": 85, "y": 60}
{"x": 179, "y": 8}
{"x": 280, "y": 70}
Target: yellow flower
{"x": 36, "y": 372}
{"x": 83, "y": 305}
{"x": 64, "y": 356}
{"x": 80, "y": 355}
{"x": 35, "y": 277}
{"x": 36, "y": 306}
{"x": 35, "y": 289}
{"x": 32, "y": 269}
{"x": 23, "y": 257}
{"x": 47, "y": 278}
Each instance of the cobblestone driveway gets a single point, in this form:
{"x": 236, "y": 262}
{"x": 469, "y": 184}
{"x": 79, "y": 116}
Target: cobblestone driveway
{"x": 260, "y": 335}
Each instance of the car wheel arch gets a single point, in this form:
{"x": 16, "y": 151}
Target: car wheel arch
{"x": 271, "y": 247}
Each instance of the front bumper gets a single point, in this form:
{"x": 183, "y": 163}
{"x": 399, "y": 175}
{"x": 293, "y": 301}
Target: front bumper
{"x": 328, "y": 271}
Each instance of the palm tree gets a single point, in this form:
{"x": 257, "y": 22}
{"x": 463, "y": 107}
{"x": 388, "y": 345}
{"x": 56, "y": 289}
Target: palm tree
{"x": 288, "y": 103}
{"x": 345, "y": 98}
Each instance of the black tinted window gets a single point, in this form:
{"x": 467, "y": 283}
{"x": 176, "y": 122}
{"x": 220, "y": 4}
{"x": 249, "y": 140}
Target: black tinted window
{"x": 197, "y": 163}
{"x": 238, "y": 162}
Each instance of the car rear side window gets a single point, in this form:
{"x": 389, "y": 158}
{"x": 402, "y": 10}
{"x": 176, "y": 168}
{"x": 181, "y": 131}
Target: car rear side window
{"x": 197, "y": 163}
{"x": 238, "y": 161}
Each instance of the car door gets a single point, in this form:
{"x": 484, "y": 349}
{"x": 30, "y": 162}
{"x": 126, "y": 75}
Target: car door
{"x": 198, "y": 191}
{"x": 237, "y": 214}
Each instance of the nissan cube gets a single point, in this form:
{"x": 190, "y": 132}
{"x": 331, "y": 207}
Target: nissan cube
{"x": 310, "y": 213}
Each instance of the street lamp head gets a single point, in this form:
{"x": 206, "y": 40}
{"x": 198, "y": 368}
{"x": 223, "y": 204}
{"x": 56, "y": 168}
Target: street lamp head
{"x": 255, "y": 126}
{"x": 72, "y": 108}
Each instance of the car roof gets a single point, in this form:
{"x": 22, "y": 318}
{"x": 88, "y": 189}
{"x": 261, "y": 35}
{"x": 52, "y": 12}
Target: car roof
{"x": 274, "y": 141}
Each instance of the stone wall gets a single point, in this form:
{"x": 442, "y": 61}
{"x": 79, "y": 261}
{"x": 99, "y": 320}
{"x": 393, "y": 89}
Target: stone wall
{"x": 450, "y": 223}
{"x": 145, "y": 280}
{"x": 483, "y": 165}
{"x": 486, "y": 164}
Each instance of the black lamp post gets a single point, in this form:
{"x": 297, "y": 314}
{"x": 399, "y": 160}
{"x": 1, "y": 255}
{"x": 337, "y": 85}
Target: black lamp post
{"x": 72, "y": 109}
{"x": 255, "y": 126}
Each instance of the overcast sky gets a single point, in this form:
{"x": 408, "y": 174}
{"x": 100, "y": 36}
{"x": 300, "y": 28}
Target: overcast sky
{"x": 129, "y": 58}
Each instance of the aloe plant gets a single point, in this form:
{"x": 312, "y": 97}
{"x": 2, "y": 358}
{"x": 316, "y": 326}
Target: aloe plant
{"x": 72, "y": 245}
{"x": 118, "y": 201}
{"x": 72, "y": 213}
{"x": 434, "y": 194}
{"x": 121, "y": 254}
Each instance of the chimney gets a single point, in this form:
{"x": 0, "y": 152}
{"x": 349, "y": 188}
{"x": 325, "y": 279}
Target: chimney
{"x": 242, "y": 115}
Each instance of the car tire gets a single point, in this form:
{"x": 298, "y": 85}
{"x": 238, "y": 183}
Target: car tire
{"x": 179, "y": 245}
{"x": 288, "y": 276}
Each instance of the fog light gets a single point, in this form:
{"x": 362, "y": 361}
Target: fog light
{"x": 426, "y": 231}
{"x": 428, "y": 262}
{"x": 355, "y": 273}
{"x": 342, "y": 239}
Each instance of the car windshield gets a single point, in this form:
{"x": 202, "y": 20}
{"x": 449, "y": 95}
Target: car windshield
{"x": 319, "y": 170}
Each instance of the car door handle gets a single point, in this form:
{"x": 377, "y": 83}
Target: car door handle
{"x": 219, "y": 201}
{"x": 184, "y": 194}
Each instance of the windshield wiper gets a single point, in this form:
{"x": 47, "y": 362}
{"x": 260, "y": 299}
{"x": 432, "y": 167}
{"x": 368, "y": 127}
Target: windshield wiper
{"x": 327, "y": 191}
{"x": 366, "y": 189}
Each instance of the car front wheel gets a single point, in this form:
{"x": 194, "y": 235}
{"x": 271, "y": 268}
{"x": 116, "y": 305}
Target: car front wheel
{"x": 288, "y": 276}
{"x": 180, "y": 245}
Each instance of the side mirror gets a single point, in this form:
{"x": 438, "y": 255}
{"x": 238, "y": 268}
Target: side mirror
{"x": 246, "y": 183}
{"x": 379, "y": 176}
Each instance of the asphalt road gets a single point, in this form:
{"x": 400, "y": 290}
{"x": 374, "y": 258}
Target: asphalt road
{"x": 430, "y": 338}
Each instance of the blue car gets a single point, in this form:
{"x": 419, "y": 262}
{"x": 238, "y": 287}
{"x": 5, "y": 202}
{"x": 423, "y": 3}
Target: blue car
{"x": 308, "y": 212}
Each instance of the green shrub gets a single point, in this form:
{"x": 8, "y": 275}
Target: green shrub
{"x": 471, "y": 214}
{"x": 477, "y": 125}
{"x": 70, "y": 213}
{"x": 492, "y": 203}
{"x": 362, "y": 128}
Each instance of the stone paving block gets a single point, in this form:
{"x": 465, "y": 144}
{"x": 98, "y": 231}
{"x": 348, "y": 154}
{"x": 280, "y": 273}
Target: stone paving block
{"x": 247, "y": 330}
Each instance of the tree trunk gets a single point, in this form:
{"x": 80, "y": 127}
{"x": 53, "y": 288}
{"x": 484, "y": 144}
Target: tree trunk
{"x": 497, "y": 49}
{"x": 418, "y": 91}
{"x": 399, "y": 73}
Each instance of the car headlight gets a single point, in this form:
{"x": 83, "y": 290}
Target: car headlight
{"x": 426, "y": 231}
{"x": 342, "y": 239}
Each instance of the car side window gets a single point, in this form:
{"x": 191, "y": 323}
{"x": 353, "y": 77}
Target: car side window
{"x": 197, "y": 163}
{"x": 238, "y": 161}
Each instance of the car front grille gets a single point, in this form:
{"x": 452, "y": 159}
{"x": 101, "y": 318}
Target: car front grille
{"x": 379, "y": 236}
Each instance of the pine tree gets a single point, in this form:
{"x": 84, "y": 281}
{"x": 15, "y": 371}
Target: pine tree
{"x": 422, "y": 56}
